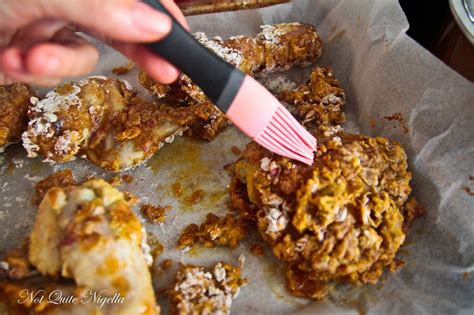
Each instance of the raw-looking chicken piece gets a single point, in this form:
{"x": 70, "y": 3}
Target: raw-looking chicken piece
{"x": 90, "y": 235}
{"x": 343, "y": 219}
{"x": 14, "y": 103}
{"x": 103, "y": 120}
{"x": 276, "y": 47}
{"x": 318, "y": 103}
{"x": 201, "y": 291}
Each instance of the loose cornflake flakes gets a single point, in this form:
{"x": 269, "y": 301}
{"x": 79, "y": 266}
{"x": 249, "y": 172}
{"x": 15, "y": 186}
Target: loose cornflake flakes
{"x": 227, "y": 231}
{"x": 198, "y": 290}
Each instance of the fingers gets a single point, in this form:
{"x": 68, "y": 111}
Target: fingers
{"x": 154, "y": 65}
{"x": 47, "y": 63}
{"x": 32, "y": 58}
{"x": 12, "y": 66}
{"x": 176, "y": 12}
{"x": 69, "y": 55}
{"x": 121, "y": 20}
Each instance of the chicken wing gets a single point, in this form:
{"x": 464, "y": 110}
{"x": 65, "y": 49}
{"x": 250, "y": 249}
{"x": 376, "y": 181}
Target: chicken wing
{"x": 89, "y": 234}
{"x": 14, "y": 103}
{"x": 276, "y": 47}
{"x": 101, "y": 119}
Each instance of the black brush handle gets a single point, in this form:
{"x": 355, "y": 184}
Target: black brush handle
{"x": 219, "y": 80}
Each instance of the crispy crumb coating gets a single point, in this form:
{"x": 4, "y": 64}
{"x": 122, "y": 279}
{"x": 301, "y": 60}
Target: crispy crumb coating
{"x": 154, "y": 214}
{"x": 101, "y": 119}
{"x": 214, "y": 231}
{"x": 318, "y": 103}
{"x": 198, "y": 290}
{"x": 15, "y": 264}
{"x": 14, "y": 103}
{"x": 340, "y": 220}
{"x": 60, "y": 179}
{"x": 276, "y": 47}
{"x": 90, "y": 234}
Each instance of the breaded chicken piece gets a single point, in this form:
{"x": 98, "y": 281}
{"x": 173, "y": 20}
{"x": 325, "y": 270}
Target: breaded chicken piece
{"x": 340, "y": 220}
{"x": 277, "y": 47}
{"x": 198, "y": 290}
{"x": 14, "y": 102}
{"x": 101, "y": 119}
{"x": 89, "y": 234}
{"x": 318, "y": 103}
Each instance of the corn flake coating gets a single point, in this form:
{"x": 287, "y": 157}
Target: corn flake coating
{"x": 201, "y": 291}
{"x": 60, "y": 179}
{"x": 214, "y": 231}
{"x": 14, "y": 103}
{"x": 154, "y": 214}
{"x": 342, "y": 219}
{"x": 277, "y": 47}
{"x": 318, "y": 103}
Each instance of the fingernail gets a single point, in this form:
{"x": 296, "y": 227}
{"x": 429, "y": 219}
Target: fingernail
{"x": 150, "y": 20}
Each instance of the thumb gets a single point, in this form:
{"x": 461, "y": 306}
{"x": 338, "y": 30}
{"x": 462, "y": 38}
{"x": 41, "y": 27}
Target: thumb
{"x": 120, "y": 20}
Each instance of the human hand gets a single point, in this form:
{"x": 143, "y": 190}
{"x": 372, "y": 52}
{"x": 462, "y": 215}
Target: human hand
{"x": 38, "y": 43}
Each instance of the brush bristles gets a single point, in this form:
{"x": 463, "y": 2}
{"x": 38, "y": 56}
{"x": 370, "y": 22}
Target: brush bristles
{"x": 283, "y": 135}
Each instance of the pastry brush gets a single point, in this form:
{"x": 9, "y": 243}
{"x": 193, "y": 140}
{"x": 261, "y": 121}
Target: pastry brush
{"x": 245, "y": 102}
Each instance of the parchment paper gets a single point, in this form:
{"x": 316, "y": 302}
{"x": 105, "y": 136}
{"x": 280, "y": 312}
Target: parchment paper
{"x": 383, "y": 72}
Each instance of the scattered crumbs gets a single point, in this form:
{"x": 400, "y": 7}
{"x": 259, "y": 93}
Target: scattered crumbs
{"x": 59, "y": 179}
{"x": 166, "y": 264}
{"x": 154, "y": 214}
{"x": 10, "y": 168}
{"x": 412, "y": 210}
{"x": 195, "y": 197}
{"x": 468, "y": 190}
{"x": 115, "y": 181}
{"x": 235, "y": 150}
{"x": 257, "y": 250}
{"x": 214, "y": 231}
{"x": 155, "y": 245}
{"x": 19, "y": 163}
{"x": 188, "y": 238}
{"x": 16, "y": 264}
{"x": 91, "y": 177}
{"x": 121, "y": 70}
{"x": 199, "y": 290}
{"x": 176, "y": 189}
{"x": 372, "y": 122}
{"x": 128, "y": 179}
{"x": 130, "y": 198}
{"x": 466, "y": 275}
{"x": 399, "y": 118}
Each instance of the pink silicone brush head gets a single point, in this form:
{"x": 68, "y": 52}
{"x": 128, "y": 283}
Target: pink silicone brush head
{"x": 261, "y": 116}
